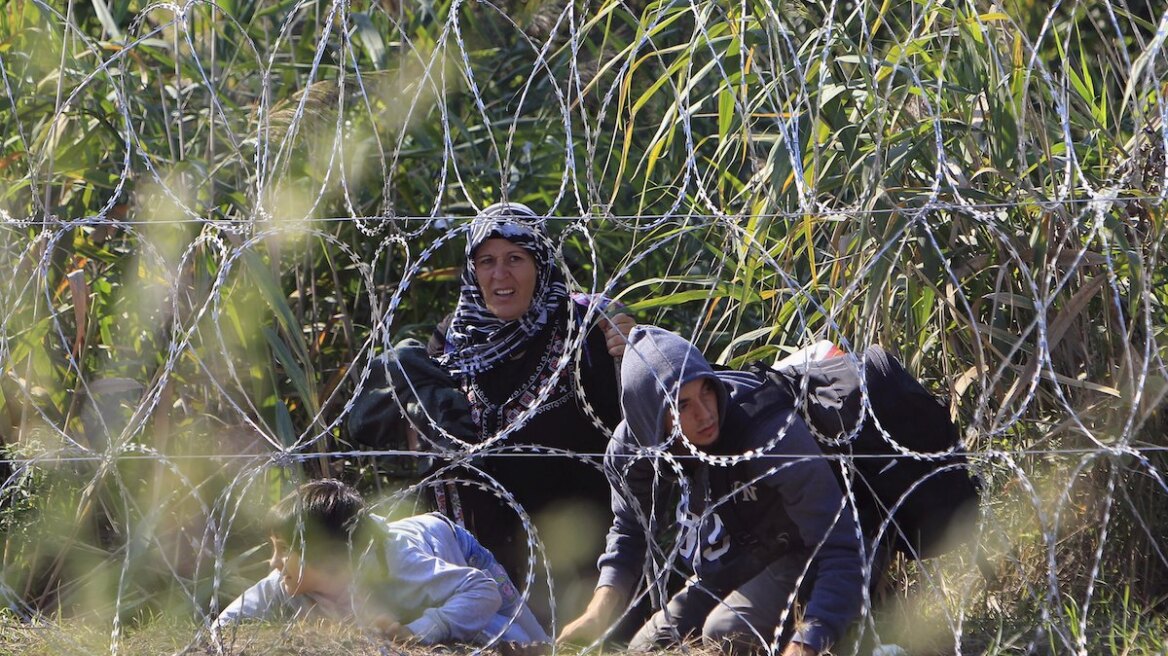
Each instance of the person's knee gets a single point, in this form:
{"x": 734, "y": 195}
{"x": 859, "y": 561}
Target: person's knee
{"x": 658, "y": 633}
{"x": 734, "y": 632}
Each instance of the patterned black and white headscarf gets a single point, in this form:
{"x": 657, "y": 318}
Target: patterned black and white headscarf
{"x": 477, "y": 339}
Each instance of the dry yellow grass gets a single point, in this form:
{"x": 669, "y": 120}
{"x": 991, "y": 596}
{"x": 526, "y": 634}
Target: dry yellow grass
{"x": 172, "y": 637}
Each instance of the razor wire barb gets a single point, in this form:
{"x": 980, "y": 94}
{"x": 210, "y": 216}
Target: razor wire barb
{"x": 215, "y": 215}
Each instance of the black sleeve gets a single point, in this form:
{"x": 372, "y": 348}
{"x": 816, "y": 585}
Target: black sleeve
{"x": 376, "y": 419}
{"x": 600, "y": 376}
{"x": 436, "y": 346}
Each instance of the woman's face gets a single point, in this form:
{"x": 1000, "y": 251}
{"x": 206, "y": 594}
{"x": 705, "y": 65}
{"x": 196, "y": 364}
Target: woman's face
{"x": 506, "y": 276}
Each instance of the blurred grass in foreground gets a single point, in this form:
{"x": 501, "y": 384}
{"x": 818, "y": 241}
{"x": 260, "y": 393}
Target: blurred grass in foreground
{"x": 170, "y": 636}
{"x": 1123, "y": 631}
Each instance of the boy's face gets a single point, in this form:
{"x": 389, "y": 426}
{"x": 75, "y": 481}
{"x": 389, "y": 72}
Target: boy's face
{"x": 299, "y": 577}
{"x": 697, "y": 409}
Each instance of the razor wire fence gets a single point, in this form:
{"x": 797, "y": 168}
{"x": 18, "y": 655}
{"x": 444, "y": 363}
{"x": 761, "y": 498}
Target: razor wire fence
{"x": 215, "y": 215}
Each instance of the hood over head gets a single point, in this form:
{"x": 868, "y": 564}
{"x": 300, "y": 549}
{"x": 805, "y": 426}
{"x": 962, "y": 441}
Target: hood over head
{"x": 655, "y": 366}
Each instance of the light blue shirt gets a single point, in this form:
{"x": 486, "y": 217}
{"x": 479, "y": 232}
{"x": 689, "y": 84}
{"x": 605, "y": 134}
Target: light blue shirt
{"x": 431, "y": 586}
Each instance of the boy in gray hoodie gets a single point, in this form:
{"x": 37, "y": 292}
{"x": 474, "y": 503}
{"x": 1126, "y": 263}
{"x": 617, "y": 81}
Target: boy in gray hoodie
{"x": 421, "y": 579}
{"x": 761, "y": 522}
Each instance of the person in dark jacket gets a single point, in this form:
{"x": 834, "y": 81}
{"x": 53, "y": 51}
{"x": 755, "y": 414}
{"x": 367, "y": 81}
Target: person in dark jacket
{"x": 764, "y": 530}
{"x": 538, "y": 367}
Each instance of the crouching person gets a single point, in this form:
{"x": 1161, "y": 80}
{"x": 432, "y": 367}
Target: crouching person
{"x": 768, "y": 540}
{"x": 421, "y": 579}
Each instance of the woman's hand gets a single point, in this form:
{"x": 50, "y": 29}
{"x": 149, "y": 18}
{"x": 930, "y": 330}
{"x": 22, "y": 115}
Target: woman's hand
{"x": 616, "y": 332}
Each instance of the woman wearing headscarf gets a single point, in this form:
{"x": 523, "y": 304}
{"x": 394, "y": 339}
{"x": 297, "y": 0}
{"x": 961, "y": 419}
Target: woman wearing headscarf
{"x": 506, "y": 341}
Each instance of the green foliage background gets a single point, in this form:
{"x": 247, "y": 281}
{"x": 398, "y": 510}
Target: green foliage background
{"x": 214, "y": 214}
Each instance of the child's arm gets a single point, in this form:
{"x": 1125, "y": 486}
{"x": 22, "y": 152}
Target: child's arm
{"x": 262, "y": 601}
{"x": 457, "y": 602}
{"x": 389, "y": 627}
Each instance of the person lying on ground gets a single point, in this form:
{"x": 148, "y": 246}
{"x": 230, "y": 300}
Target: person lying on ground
{"x": 422, "y": 579}
{"x": 769, "y": 539}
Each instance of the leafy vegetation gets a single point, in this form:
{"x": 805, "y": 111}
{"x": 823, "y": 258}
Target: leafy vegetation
{"x": 213, "y": 214}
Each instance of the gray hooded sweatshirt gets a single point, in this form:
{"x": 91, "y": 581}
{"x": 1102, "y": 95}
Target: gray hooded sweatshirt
{"x": 781, "y": 500}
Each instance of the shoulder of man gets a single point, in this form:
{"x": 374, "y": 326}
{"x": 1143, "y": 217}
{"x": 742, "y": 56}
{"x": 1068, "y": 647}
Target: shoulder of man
{"x": 754, "y": 396}
{"x": 739, "y": 382}
{"x": 623, "y": 441}
{"x": 761, "y": 415}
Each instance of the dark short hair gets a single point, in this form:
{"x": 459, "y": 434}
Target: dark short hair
{"x": 317, "y": 520}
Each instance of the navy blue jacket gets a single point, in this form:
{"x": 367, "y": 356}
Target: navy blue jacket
{"x": 762, "y": 490}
